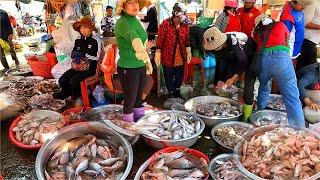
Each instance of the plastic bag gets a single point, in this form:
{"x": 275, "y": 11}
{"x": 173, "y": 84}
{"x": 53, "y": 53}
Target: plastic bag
{"x": 61, "y": 68}
{"x": 98, "y": 94}
{"x": 185, "y": 90}
{"x": 168, "y": 103}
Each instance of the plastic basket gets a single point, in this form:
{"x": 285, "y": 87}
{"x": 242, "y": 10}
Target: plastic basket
{"x": 42, "y": 65}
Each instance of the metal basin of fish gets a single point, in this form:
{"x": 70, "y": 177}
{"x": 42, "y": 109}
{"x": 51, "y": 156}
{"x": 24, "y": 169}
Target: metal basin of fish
{"x": 174, "y": 154}
{"x": 276, "y": 102}
{"x": 267, "y": 117}
{"x": 191, "y": 104}
{"x": 214, "y": 163}
{"x": 100, "y": 130}
{"x": 269, "y": 139}
{"x": 233, "y": 136}
{"x": 99, "y": 114}
{"x": 159, "y": 143}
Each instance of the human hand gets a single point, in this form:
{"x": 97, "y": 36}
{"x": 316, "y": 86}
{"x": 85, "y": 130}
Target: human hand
{"x": 189, "y": 54}
{"x": 150, "y": 44}
{"x": 312, "y": 105}
{"x": 10, "y": 37}
{"x": 149, "y": 68}
{"x": 220, "y": 85}
{"x": 157, "y": 57}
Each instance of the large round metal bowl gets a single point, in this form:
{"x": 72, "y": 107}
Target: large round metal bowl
{"x": 94, "y": 115}
{"x": 260, "y": 131}
{"x": 276, "y": 117}
{"x": 211, "y": 121}
{"x": 162, "y": 143}
{"x": 145, "y": 165}
{"x": 80, "y": 129}
{"x": 213, "y": 163}
{"x": 226, "y": 124}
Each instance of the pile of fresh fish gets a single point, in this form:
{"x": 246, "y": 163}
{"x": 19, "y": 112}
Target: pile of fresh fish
{"x": 227, "y": 92}
{"x": 21, "y": 89}
{"x": 268, "y": 121}
{"x": 230, "y": 135}
{"x": 176, "y": 165}
{"x": 276, "y": 104}
{"x": 74, "y": 116}
{"x": 283, "y": 153}
{"x": 87, "y": 157}
{"x": 114, "y": 114}
{"x": 228, "y": 170}
{"x": 169, "y": 126}
{"x": 33, "y": 130}
{"x": 221, "y": 109}
{"x": 45, "y": 102}
{"x": 47, "y": 86}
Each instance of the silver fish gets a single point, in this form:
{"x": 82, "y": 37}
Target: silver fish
{"x": 82, "y": 166}
{"x": 93, "y": 149}
{"x": 109, "y": 162}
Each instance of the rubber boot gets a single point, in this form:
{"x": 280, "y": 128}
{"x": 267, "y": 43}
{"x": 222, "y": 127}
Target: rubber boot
{"x": 247, "y": 111}
{"x": 128, "y": 117}
{"x": 138, "y": 113}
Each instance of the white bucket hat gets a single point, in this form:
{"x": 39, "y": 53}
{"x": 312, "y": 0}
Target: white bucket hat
{"x": 213, "y": 38}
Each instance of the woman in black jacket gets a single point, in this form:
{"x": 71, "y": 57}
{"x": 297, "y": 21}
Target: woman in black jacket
{"x": 234, "y": 52}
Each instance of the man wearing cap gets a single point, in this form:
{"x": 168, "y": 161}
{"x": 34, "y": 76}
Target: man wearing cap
{"x": 173, "y": 48}
{"x": 233, "y": 52}
{"x": 228, "y": 20}
{"x": 247, "y": 15}
{"x": 293, "y": 17}
{"x": 87, "y": 46}
{"x": 108, "y": 23}
{"x": 276, "y": 64}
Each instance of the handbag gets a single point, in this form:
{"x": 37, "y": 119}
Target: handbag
{"x": 255, "y": 66}
{"x": 82, "y": 65}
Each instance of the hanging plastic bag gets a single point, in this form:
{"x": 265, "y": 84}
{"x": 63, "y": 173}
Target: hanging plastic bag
{"x": 98, "y": 94}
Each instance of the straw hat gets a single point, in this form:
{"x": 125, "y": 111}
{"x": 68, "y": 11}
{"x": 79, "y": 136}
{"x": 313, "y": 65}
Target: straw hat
{"x": 213, "y": 38}
{"x": 87, "y": 22}
{"x": 119, "y": 9}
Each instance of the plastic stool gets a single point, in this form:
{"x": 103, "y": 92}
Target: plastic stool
{"x": 90, "y": 81}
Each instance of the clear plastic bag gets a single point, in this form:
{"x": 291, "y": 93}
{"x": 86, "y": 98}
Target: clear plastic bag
{"x": 98, "y": 94}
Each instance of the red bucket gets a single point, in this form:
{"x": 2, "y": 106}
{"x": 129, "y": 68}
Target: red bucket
{"x": 17, "y": 143}
{"x": 42, "y": 65}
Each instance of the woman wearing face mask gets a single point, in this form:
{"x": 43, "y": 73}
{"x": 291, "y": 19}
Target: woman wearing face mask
{"x": 228, "y": 20}
{"x": 276, "y": 63}
{"x": 234, "y": 52}
{"x": 247, "y": 15}
{"x": 134, "y": 60}
{"x": 173, "y": 48}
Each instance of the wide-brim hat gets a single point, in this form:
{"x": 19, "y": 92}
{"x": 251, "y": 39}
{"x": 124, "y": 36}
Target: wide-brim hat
{"x": 86, "y": 22}
{"x": 213, "y": 38}
{"x": 119, "y": 9}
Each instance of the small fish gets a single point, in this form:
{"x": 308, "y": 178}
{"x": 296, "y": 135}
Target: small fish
{"x": 114, "y": 167}
{"x": 91, "y": 172}
{"x": 109, "y": 162}
{"x": 48, "y": 177}
{"x": 121, "y": 151}
{"x": 179, "y": 172}
{"x": 64, "y": 158}
{"x": 102, "y": 152}
{"x": 15, "y": 129}
{"x": 34, "y": 142}
{"x": 69, "y": 172}
{"x": 18, "y": 136}
{"x": 53, "y": 163}
{"x": 98, "y": 168}
{"x": 82, "y": 151}
{"x": 82, "y": 166}
{"x": 93, "y": 149}
{"x": 197, "y": 126}
{"x": 28, "y": 133}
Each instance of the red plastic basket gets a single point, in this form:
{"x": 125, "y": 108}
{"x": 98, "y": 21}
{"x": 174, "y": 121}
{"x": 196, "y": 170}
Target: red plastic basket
{"x": 74, "y": 110}
{"x": 17, "y": 143}
{"x": 42, "y": 67}
{"x": 194, "y": 152}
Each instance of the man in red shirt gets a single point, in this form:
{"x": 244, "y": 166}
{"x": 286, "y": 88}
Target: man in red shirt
{"x": 247, "y": 15}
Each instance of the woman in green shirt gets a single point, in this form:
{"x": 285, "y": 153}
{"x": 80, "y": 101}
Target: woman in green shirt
{"x": 134, "y": 60}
